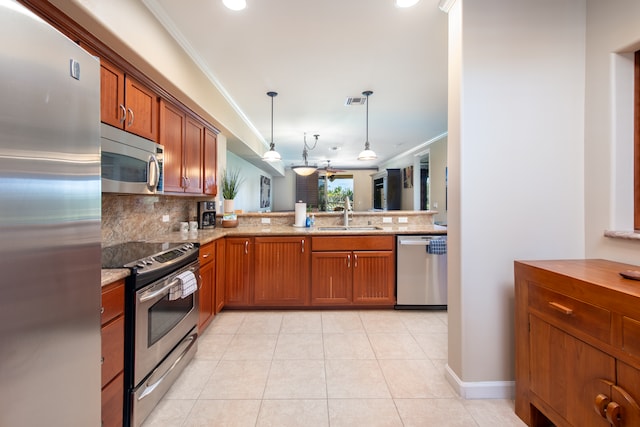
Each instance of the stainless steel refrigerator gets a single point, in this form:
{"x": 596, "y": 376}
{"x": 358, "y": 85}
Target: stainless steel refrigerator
{"x": 49, "y": 226}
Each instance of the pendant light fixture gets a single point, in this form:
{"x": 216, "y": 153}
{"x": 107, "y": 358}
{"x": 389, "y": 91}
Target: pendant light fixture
{"x": 367, "y": 153}
{"x": 306, "y": 169}
{"x": 272, "y": 155}
{"x": 406, "y": 3}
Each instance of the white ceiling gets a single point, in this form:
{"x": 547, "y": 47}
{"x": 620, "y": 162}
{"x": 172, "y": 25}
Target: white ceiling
{"x": 315, "y": 54}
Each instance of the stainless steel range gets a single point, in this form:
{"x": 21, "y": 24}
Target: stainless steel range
{"x": 161, "y": 317}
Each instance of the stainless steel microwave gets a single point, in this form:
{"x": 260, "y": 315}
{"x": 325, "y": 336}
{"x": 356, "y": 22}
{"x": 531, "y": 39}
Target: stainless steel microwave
{"x": 130, "y": 164}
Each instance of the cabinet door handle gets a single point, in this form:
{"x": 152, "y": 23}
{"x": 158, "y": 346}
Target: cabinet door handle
{"x": 600, "y": 404}
{"x": 348, "y": 260}
{"x": 302, "y": 245}
{"x": 561, "y": 308}
{"x": 124, "y": 114}
{"x": 355, "y": 261}
{"x": 205, "y": 255}
{"x": 613, "y": 414}
{"x": 246, "y": 247}
{"x": 132, "y": 117}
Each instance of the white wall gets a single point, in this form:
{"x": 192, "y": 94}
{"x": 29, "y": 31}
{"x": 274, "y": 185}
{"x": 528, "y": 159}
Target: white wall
{"x": 613, "y": 34}
{"x": 516, "y": 166}
{"x": 248, "y": 198}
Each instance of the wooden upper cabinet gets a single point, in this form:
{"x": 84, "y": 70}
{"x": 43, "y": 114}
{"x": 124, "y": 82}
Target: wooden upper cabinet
{"x": 210, "y": 162}
{"x": 126, "y": 103}
{"x": 142, "y": 110}
{"x": 112, "y": 109}
{"x": 184, "y": 138}
{"x": 192, "y": 156}
{"x": 172, "y": 128}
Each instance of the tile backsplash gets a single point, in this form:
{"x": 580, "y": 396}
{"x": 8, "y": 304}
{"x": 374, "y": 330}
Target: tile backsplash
{"x": 135, "y": 217}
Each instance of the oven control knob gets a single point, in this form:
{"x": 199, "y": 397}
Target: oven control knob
{"x": 141, "y": 264}
{"x": 148, "y": 261}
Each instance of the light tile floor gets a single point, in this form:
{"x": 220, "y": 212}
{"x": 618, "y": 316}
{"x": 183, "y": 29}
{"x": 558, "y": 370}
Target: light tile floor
{"x": 323, "y": 368}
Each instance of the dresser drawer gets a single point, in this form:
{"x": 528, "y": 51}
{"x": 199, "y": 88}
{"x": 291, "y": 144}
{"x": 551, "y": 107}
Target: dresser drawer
{"x": 112, "y": 301}
{"x": 112, "y": 349}
{"x": 631, "y": 336}
{"x": 564, "y": 311}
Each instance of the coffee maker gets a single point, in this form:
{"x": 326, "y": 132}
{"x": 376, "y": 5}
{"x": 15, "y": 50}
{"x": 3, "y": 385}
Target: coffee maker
{"x": 206, "y": 215}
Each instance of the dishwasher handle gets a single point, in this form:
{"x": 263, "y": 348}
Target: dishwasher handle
{"x": 413, "y": 242}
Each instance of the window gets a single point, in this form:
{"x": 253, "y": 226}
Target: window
{"x": 324, "y": 192}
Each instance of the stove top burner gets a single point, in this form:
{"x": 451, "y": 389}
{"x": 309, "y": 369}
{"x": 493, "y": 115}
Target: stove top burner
{"x": 141, "y": 255}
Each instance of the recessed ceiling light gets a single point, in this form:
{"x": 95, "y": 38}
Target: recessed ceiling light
{"x": 406, "y": 3}
{"x": 235, "y": 4}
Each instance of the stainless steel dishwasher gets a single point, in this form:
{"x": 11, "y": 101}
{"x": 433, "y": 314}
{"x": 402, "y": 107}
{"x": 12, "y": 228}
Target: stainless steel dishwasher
{"x": 421, "y": 272}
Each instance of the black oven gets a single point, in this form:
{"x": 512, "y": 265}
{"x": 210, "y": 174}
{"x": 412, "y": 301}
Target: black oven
{"x": 161, "y": 317}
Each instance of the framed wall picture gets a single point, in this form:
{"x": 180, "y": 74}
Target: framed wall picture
{"x": 407, "y": 177}
{"x": 265, "y": 192}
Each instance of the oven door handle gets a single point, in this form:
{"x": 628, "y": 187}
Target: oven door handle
{"x": 189, "y": 341}
{"x": 149, "y": 295}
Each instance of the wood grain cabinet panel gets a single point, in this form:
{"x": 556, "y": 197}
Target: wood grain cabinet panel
{"x": 281, "y": 271}
{"x": 238, "y": 273}
{"x": 112, "y": 333}
{"x": 331, "y": 278}
{"x": 577, "y": 328}
{"x": 364, "y": 275}
{"x": 206, "y": 299}
{"x": 126, "y": 103}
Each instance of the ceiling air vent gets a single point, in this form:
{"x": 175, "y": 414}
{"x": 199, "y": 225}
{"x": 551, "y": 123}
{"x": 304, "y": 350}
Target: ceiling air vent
{"x": 355, "y": 100}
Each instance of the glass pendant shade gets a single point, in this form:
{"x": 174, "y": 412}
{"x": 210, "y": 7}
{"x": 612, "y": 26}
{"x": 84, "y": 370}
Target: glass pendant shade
{"x": 304, "y": 170}
{"x": 367, "y": 154}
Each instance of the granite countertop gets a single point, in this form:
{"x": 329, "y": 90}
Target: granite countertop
{"x": 206, "y": 236}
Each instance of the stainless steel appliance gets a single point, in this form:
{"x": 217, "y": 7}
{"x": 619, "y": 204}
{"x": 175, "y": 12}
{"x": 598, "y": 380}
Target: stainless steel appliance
{"x": 49, "y": 226}
{"x": 206, "y": 215}
{"x": 421, "y": 277}
{"x": 161, "y": 323}
{"x": 130, "y": 164}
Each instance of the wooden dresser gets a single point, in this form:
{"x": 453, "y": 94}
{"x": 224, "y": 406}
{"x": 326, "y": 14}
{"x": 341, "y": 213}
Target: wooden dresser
{"x": 577, "y": 334}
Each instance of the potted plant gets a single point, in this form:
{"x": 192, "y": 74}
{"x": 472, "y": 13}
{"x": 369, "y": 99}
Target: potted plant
{"x": 231, "y": 181}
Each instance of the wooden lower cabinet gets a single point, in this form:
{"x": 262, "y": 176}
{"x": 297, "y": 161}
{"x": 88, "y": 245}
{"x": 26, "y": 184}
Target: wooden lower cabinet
{"x": 207, "y": 285}
{"x": 364, "y": 276}
{"x": 219, "y": 297}
{"x": 281, "y": 271}
{"x": 577, "y": 331}
{"x": 238, "y": 271}
{"x": 112, "y": 331}
{"x": 331, "y": 278}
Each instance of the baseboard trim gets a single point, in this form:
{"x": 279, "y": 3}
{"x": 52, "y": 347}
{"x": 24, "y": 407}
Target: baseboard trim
{"x": 480, "y": 389}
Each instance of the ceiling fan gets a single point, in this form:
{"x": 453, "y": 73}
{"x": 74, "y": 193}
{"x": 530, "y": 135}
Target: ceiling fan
{"x": 329, "y": 171}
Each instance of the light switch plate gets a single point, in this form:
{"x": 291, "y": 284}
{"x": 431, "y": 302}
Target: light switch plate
{"x": 266, "y": 220}
{"x": 165, "y": 218}
{"x": 386, "y": 220}
{"x": 403, "y": 219}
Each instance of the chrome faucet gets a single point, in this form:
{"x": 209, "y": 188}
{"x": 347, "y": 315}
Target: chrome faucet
{"x": 347, "y": 209}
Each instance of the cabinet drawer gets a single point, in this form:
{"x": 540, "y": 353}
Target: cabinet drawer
{"x": 112, "y": 402}
{"x": 352, "y": 243}
{"x": 112, "y": 349}
{"x": 207, "y": 253}
{"x": 112, "y": 301}
{"x": 564, "y": 311}
{"x": 631, "y": 336}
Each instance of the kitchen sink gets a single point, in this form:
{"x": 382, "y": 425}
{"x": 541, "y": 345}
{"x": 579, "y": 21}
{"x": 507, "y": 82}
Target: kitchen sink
{"x": 350, "y": 228}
